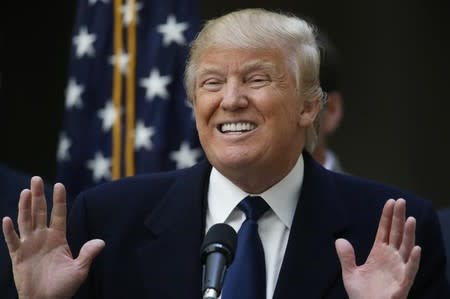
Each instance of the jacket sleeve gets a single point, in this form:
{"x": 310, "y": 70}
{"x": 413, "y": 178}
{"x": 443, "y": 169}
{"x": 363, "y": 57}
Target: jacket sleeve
{"x": 77, "y": 235}
{"x": 431, "y": 279}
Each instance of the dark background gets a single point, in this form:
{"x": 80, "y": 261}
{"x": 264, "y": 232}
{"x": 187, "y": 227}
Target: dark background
{"x": 395, "y": 79}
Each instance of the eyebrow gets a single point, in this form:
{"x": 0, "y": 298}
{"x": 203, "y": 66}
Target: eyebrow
{"x": 208, "y": 70}
{"x": 248, "y": 67}
{"x": 258, "y": 65}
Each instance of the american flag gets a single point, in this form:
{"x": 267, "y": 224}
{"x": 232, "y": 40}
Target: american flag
{"x": 126, "y": 111}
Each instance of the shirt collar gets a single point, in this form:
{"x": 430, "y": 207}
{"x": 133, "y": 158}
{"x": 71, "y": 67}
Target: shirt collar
{"x": 331, "y": 162}
{"x": 224, "y": 196}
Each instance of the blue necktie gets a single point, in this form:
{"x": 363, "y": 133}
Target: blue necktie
{"x": 246, "y": 277}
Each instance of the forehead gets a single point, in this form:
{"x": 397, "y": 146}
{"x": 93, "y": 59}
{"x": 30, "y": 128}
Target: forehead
{"x": 242, "y": 60}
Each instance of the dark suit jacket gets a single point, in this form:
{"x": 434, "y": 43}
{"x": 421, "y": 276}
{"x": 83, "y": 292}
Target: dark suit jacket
{"x": 444, "y": 218}
{"x": 153, "y": 226}
{"x": 11, "y": 184}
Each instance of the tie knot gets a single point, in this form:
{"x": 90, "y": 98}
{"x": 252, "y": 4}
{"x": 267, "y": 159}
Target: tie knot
{"x": 253, "y": 207}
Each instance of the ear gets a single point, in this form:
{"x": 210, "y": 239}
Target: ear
{"x": 332, "y": 113}
{"x": 309, "y": 111}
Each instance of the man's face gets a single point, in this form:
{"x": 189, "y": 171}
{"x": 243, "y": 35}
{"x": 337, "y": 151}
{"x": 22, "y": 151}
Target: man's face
{"x": 248, "y": 112}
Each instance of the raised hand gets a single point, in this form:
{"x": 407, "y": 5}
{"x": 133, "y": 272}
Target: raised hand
{"x": 392, "y": 264}
{"x": 43, "y": 265}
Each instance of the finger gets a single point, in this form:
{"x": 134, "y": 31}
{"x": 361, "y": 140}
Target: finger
{"x": 346, "y": 255}
{"x": 384, "y": 225}
{"x": 412, "y": 266}
{"x": 38, "y": 203}
{"x": 398, "y": 223}
{"x": 59, "y": 210}
{"x": 24, "y": 218}
{"x": 409, "y": 238}
{"x": 11, "y": 237}
{"x": 88, "y": 252}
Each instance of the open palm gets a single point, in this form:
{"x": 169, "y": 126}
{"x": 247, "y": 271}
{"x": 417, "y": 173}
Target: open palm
{"x": 43, "y": 265}
{"x": 392, "y": 264}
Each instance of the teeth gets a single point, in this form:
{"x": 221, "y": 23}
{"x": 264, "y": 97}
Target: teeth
{"x": 237, "y": 127}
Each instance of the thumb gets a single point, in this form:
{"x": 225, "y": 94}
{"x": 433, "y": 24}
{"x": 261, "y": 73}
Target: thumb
{"x": 89, "y": 251}
{"x": 346, "y": 255}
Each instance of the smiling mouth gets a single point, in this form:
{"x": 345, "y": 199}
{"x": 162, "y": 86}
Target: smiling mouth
{"x": 237, "y": 127}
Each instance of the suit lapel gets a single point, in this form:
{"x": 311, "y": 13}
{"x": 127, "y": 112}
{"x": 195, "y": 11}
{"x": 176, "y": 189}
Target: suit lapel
{"x": 310, "y": 265}
{"x": 170, "y": 257}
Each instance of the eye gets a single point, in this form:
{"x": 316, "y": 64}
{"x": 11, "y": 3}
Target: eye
{"x": 257, "y": 81}
{"x": 212, "y": 84}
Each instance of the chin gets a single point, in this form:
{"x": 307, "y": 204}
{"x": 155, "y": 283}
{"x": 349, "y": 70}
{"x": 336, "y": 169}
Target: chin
{"x": 233, "y": 156}
{"x": 234, "y": 162}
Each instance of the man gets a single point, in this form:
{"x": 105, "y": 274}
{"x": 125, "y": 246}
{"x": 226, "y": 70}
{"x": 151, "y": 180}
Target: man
{"x": 252, "y": 77}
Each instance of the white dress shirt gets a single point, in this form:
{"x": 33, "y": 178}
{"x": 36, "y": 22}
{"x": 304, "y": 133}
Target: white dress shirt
{"x": 273, "y": 227}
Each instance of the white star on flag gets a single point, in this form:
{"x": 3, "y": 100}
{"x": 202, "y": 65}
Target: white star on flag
{"x": 185, "y": 156}
{"x": 173, "y": 31}
{"x": 100, "y": 167}
{"x": 142, "y": 136}
{"x": 122, "y": 61}
{"x": 84, "y": 43}
{"x": 63, "y": 148}
{"x": 73, "y": 94}
{"x": 108, "y": 115}
{"x": 155, "y": 85}
{"x": 158, "y": 54}
{"x": 128, "y": 14}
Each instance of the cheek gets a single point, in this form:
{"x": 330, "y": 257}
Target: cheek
{"x": 204, "y": 109}
{"x": 293, "y": 110}
{"x": 286, "y": 111}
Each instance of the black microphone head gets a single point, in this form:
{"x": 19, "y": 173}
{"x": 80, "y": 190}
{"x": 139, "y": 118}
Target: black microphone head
{"x": 220, "y": 237}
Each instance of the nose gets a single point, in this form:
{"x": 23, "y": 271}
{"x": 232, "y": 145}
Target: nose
{"x": 234, "y": 97}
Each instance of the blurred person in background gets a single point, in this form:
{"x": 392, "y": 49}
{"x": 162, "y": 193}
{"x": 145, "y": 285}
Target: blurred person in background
{"x": 331, "y": 115}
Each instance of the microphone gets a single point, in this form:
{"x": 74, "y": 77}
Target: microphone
{"x": 217, "y": 253}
